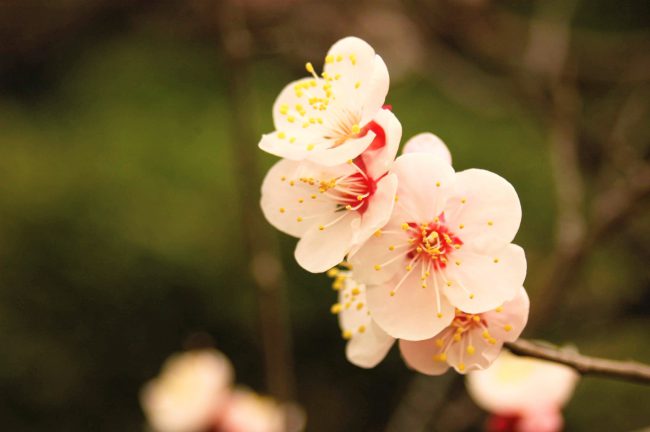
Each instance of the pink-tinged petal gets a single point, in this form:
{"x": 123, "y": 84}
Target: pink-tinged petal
{"x": 319, "y": 250}
{"x": 379, "y": 208}
{"x": 368, "y": 344}
{"x": 423, "y": 356}
{"x": 425, "y": 183}
{"x": 479, "y": 282}
{"x": 487, "y": 207}
{"x": 412, "y": 312}
{"x": 350, "y": 149}
{"x": 369, "y": 348}
{"x": 541, "y": 419}
{"x": 376, "y": 253}
{"x": 359, "y": 76}
{"x": 379, "y": 161}
{"x": 287, "y": 202}
{"x": 428, "y": 143}
{"x": 507, "y": 322}
{"x": 518, "y": 384}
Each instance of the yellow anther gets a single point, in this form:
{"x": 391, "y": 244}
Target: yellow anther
{"x": 492, "y": 341}
{"x": 499, "y": 309}
{"x": 457, "y": 337}
{"x": 439, "y": 314}
{"x": 396, "y": 198}
{"x": 486, "y": 334}
{"x": 359, "y": 306}
{"x": 476, "y": 318}
{"x": 461, "y": 367}
{"x": 300, "y": 201}
{"x": 377, "y": 233}
{"x": 310, "y": 147}
{"x": 292, "y": 183}
{"x": 281, "y": 209}
{"x": 507, "y": 327}
{"x": 457, "y": 263}
{"x": 319, "y": 120}
{"x": 281, "y": 135}
{"x": 392, "y": 293}
{"x": 440, "y": 342}
{"x": 424, "y": 285}
{"x": 470, "y": 350}
{"x": 336, "y": 308}
{"x": 299, "y": 219}
{"x": 312, "y": 120}
{"x": 337, "y": 76}
{"x": 322, "y": 228}
{"x": 356, "y": 129}
{"x": 490, "y": 223}
{"x": 292, "y": 140}
{"x": 418, "y": 249}
{"x": 471, "y": 296}
{"x": 353, "y": 59}
{"x": 360, "y": 197}
{"x": 449, "y": 283}
{"x": 283, "y": 178}
{"x": 332, "y": 272}
{"x": 309, "y": 67}
{"x": 463, "y": 201}
{"x": 329, "y": 58}
{"x": 437, "y": 184}
{"x": 362, "y": 328}
{"x": 305, "y": 125}
{"x": 405, "y": 226}
{"x": 347, "y": 335}
{"x": 442, "y": 357}
{"x": 313, "y": 196}
{"x": 391, "y": 248}
{"x": 339, "y": 58}
{"x": 291, "y": 119}
{"x": 496, "y": 260}
{"x": 409, "y": 267}
{"x": 357, "y": 84}
{"x": 461, "y": 226}
{"x": 377, "y": 267}
{"x": 284, "y": 109}
{"x": 356, "y": 291}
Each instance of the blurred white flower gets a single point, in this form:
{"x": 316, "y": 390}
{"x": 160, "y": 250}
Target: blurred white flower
{"x": 323, "y": 118}
{"x": 189, "y": 392}
{"x": 247, "y": 411}
{"x": 523, "y": 393}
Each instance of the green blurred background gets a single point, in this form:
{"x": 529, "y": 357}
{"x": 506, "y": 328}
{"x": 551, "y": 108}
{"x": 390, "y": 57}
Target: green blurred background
{"x": 121, "y": 238}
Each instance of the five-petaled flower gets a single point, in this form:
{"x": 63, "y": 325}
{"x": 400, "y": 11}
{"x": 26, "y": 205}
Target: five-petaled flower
{"x": 333, "y": 208}
{"x": 446, "y": 247}
{"x": 325, "y": 118}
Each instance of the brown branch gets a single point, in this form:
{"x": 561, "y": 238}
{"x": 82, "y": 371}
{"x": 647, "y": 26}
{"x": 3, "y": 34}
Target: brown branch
{"x": 266, "y": 272}
{"x": 623, "y": 370}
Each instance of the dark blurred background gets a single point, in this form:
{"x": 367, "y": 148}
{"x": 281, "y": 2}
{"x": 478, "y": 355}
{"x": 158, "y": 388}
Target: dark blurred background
{"x": 129, "y": 178}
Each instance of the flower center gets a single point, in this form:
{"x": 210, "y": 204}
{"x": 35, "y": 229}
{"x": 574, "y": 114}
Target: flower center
{"x": 432, "y": 242}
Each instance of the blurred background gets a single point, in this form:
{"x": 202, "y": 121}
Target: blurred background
{"x": 129, "y": 188}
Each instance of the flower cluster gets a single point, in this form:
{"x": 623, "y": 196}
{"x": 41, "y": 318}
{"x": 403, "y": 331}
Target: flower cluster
{"x": 428, "y": 250}
{"x": 194, "y": 393}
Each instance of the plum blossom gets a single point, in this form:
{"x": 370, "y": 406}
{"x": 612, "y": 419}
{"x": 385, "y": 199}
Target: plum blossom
{"x": 367, "y": 343}
{"x": 471, "y": 341}
{"x": 447, "y": 246}
{"x": 333, "y": 208}
{"x": 325, "y": 119}
{"x": 187, "y": 394}
{"x": 247, "y": 411}
{"x": 523, "y": 394}
{"x": 427, "y": 142}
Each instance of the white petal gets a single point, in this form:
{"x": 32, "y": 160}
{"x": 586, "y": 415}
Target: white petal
{"x": 483, "y": 282}
{"x": 378, "y": 161}
{"x": 282, "y": 192}
{"x": 423, "y": 356}
{"x": 428, "y": 143}
{"x": 318, "y": 251}
{"x": 491, "y": 212}
{"x": 425, "y": 182}
{"x": 380, "y": 207}
{"x": 369, "y": 348}
{"x": 507, "y": 324}
{"x": 412, "y": 312}
{"x": 350, "y": 149}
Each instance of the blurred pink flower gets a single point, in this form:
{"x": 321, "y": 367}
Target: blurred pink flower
{"x": 471, "y": 341}
{"x": 322, "y": 119}
{"x": 447, "y": 245}
{"x": 367, "y": 343}
{"x": 247, "y": 411}
{"x": 333, "y": 208}
{"x": 527, "y": 392}
{"x": 190, "y": 389}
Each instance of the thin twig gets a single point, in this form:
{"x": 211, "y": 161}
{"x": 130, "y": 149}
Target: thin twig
{"x": 266, "y": 271}
{"x": 623, "y": 370}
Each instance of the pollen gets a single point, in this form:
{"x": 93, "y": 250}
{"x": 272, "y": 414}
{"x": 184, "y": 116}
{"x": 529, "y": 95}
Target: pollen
{"x": 284, "y": 109}
{"x": 310, "y": 147}
{"x": 281, "y": 135}
{"x": 357, "y": 84}
{"x": 353, "y": 59}
{"x": 309, "y": 67}
{"x": 499, "y": 309}
{"x": 321, "y": 228}
{"x": 496, "y": 260}
{"x": 461, "y": 226}
{"x": 437, "y": 184}
{"x": 356, "y": 129}
{"x": 439, "y": 343}
{"x": 405, "y": 226}
{"x": 449, "y": 283}
{"x": 359, "y": 306}
{"x": 329, "y": 59}
{"x": 490, "y": 223}
{"x": 463, "y": 201}
{"x": 409, "y": 268}
{"x": 281, "y": 209}
{"x": 347, "y": 335}
{"x": 391, "y": 248}
{"x": 291, "y": 119}
{"x": 377, "y": 233}
{"x": 356, "y": 291}
{"x": 471, "y": 296}
{"x": 339, "y": 58}
{"x": 507, "y": 327}
{"x": 470, "y": 350}
{"x": 457, "y": 337}
{"x": 461, "y": 367}
{"x": 336, "y": 308}
{"x": 377, "y": 267}
{"x": 299, "y": 219}
{"x": 332, "y": 272}
{"x": 392, "y": 293}
{"x": 362, "y": 329}
{"x": 439, "y": 315}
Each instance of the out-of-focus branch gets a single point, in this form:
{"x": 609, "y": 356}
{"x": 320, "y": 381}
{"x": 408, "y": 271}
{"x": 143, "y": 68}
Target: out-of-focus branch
{"x": 624, "y": 370}
{"x": 266, "y": 270}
